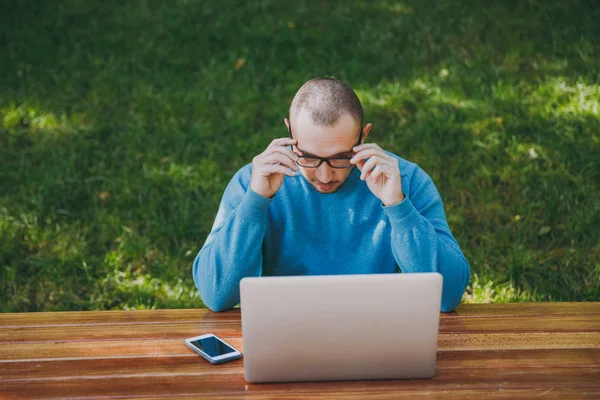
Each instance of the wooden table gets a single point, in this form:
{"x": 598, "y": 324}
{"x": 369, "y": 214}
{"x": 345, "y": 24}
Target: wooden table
{"x": 512, "y": 351}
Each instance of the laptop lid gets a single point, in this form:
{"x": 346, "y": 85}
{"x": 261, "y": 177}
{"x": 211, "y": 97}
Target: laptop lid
{"x": 340, "y": 327}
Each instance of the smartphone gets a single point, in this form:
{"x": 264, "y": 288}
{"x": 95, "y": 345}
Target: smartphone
{"x": 213, "y": 349}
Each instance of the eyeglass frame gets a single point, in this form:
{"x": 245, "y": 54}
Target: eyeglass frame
{"x": 326, "y": 159}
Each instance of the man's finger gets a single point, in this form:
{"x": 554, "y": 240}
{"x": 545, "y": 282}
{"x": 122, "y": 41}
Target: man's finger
{"x": 279, "y": 169}
{"x": 380, "y": 169}
{"x": 364, "y": 146}
{"x": 283, "y": 142}
{"x": 372, "y": 163}
{"x": 283, "y": 150}
{"x": 367, "y": 167}
{"x": 278, "y": 158}
{"x": 367, "y": 153}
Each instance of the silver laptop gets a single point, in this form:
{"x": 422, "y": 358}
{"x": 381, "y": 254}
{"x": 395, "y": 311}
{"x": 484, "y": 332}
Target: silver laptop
{"x": 342, "y": 327}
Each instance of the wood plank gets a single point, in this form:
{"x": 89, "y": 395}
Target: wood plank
{"x": 498, "y": 341}
{"x": 525, "y": 309}
{"x": 231, "y": 384}
{"x": 562, "y": 323}
{"x": 168, "y": 347}
{"x": 100, "y": 349}
{"x": 172, "y": 330}
{"x": 189, "y": 363}
{"x": 107, "y": 367}
{"x": 538, "y": 358}
{"x": 35, "y": 319}
{"x": 74, "y": 333}
{"x": 500, "y": 393}
{"x": 12, "y": 320}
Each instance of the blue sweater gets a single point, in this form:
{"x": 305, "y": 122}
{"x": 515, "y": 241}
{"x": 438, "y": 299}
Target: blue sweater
{"x": 303, "y": 232}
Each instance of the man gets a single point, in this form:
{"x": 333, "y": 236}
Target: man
{"x": 302, "y": 208}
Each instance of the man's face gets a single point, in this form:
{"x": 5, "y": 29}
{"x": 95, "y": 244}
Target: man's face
{"x": 325, "y": 142}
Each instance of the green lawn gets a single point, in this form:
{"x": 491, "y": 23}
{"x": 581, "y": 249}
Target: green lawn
{"x": 121, "y": 123}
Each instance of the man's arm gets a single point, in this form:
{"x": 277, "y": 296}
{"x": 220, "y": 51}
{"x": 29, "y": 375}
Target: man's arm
{"x": 421, "y": 238}
{"x": 233, "y": 249}
{"x": 422, "y": 241}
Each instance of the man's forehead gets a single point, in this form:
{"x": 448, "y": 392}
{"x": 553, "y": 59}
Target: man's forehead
{"x": 323, "y": 152}
{"x": 344, "y": 128}
{"x": 324, "y": 144}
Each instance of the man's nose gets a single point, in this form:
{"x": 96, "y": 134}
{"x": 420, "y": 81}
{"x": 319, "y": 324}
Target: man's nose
{"x": 324, "y": 173}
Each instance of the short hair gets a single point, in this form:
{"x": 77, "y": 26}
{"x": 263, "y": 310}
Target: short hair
{"x": 327, "y": 100}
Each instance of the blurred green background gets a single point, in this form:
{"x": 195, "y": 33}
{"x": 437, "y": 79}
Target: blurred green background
{"x": 121, "y": 122}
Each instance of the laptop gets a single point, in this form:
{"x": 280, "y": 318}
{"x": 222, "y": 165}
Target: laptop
{"x": 340, "y": 327}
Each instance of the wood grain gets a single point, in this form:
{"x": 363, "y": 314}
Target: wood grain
{"x": 228, "y": 328}
{"x": 525, "y": 309}
{"x": 499, "y": 393}
{"x": 510, "y": 351}
{"x": 565, "y": 323}
{"x": 100, "y": 349}
{"x": 8, "y": 320}
{"x": 118, "y": 332}
{"x": 201, "y": 383}
{"x": 191, "y": 363}
{"x": 497, "y": 341}
{"x": 166, "y": 347}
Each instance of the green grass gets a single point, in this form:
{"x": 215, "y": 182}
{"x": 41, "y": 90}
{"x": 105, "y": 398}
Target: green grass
{"x": 121, "y": 123}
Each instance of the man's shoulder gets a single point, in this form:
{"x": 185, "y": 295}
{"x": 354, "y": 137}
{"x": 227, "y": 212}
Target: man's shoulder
{"x": 243, "y": 174}
{"x": 239, "y": 182}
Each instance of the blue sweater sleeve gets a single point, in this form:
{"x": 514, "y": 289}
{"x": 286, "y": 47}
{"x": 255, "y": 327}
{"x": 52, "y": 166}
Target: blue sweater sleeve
{"x": 422, "y": 241}
{"x": 233, "y": 249}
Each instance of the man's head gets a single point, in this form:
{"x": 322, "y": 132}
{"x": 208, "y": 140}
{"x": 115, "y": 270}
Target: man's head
{"x": 326, "y": 118}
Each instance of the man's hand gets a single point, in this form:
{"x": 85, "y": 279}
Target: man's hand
{"x": 381, "y": 173}
{"x": 270, "y": 167}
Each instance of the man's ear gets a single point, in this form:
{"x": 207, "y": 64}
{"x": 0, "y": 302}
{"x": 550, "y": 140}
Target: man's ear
{"x": 287, "y": 123}
{"x": 366, "y": 131}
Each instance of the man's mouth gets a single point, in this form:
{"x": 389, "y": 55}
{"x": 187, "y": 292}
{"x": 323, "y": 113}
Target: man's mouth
{"x": 326, "y": 186}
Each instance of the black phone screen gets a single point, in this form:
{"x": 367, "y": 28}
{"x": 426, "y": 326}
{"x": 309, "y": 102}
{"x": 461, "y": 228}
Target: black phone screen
{"x": 213, "y": 346}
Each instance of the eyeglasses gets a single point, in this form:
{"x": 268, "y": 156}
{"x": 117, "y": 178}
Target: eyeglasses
{"x": 333, "y": 162}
